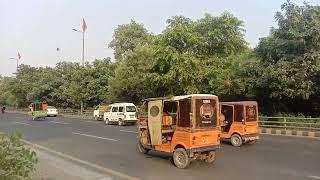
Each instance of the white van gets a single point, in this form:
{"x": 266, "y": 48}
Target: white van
{"x": 121, "y": 114}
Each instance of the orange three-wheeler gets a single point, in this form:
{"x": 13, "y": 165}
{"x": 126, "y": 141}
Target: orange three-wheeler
{"x": 185, "y": 126}
{"x": 240, "y": 122}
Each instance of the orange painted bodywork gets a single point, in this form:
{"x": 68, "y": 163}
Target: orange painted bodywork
{"x": 45, "y": 106}
{"x": 241, "y": 129}
{"x": 191, "y": 139}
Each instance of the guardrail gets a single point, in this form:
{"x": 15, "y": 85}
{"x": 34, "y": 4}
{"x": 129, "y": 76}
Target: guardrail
{"x": 293, "y": 123}
{"x": 76, "y": 112}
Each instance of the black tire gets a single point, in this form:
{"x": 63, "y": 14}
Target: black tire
{"x": 141, "y": 149}
{"x": 252, "y": 142}
{"x": 133, "y": 123}
{"x": 236, "y": 140}
{"x": 180, "y": 158}
{"x": 211, "y": 157}
{"x": 120, "y": 122}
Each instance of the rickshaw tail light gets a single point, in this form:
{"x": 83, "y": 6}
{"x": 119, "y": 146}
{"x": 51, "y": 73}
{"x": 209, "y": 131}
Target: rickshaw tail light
{"x": 193, "y": 140}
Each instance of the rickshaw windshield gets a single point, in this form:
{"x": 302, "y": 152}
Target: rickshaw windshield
{"x": 251, "y": 113}
{"x": 206, "y": 113}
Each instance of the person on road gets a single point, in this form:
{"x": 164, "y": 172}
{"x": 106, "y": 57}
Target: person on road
{"x": 3, "y": 109}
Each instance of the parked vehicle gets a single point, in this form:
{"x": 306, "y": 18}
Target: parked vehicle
{"x": 184, "y": 126}
{"x": 240, "y": 122}
{"x": 121, "y": 114}
{"x": 99, "y": 111}
{"x": 52, "y": 111}
{"x": 38, "y": 110}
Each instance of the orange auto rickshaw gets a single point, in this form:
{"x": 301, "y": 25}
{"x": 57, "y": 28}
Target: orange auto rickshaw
{"x": 240, "y": 122}
{"x": 184, "y": 126}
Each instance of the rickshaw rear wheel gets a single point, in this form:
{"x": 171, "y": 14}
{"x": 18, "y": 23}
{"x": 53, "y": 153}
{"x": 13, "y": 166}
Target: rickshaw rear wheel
{"x": 211, "y": 157}
{"x": 236, "y": 140}
{"x": 180, "y": 158}
{"x": 142, "y": 149}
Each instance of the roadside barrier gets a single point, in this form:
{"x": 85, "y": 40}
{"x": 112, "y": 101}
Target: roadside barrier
{"x": 290, "y": 123}
{"x": 283, "y": 132}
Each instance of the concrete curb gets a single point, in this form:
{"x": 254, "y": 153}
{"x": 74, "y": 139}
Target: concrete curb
{"x": 289, "y": 132}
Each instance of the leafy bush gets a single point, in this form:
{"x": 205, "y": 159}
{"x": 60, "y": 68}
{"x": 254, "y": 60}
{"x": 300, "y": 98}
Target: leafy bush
{"x": 16, "y": 160}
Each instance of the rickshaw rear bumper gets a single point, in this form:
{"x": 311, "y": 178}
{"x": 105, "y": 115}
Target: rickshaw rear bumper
{"x": 192, "y": 151}
{"x": 250, "y": 137}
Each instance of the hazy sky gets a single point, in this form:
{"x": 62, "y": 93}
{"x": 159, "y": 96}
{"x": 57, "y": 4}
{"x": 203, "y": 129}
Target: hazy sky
{"x": 36, "y": 28}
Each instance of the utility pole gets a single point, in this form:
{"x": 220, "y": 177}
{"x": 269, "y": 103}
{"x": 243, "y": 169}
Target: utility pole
{"x": 84, "y": 28}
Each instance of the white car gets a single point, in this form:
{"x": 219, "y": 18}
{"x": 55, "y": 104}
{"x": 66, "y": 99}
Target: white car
{"x": 121, "y": 114}
{"x": 52, "y": 111}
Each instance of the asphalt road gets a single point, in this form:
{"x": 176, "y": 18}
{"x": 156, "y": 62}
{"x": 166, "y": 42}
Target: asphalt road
{"x": 114, "y": 147}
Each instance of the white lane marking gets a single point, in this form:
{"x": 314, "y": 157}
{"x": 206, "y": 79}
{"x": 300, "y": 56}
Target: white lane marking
{"x": 128, "y": 131}
{"x": 314, "y": 177}
{"x": 98, "y": 137}
{"x": 57, "y": 122}
{"x": 22, "y": 123}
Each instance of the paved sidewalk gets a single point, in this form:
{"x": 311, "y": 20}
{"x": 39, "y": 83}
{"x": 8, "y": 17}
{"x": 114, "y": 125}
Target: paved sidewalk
{"x": 51, "y": 167}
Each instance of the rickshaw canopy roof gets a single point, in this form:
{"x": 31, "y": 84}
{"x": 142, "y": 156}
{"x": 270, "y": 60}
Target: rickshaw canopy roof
{"x": 177, "y": 98}
{"x": 240, "y": 103}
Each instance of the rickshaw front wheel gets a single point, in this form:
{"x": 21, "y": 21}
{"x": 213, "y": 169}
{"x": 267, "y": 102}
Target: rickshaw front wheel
{"x": 236, "y": 140}
{"x": 211, "y": 157}
{"x": 180, "y": 158}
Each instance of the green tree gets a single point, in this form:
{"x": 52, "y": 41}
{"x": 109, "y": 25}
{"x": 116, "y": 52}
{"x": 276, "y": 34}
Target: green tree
{"x": 290, "y": 55}
{"x": 127, "y": 37}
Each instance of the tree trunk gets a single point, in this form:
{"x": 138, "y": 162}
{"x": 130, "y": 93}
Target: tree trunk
{"x": 81, "y": 107}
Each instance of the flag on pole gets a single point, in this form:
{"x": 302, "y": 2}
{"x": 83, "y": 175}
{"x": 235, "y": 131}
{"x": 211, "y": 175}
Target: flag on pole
{"x": 84, "y": 25}
{"x": 19, "y": 56}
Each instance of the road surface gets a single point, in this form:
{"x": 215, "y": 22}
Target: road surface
{"x": 114, "y": 147}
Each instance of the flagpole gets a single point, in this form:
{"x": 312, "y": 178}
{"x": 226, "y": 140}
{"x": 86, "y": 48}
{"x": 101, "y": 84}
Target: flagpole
{"x": 17, "y": 64}
{"x": 82, "y": 48}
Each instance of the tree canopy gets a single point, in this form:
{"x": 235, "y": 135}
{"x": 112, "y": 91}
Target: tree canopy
{"x": 207, "y": 55}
